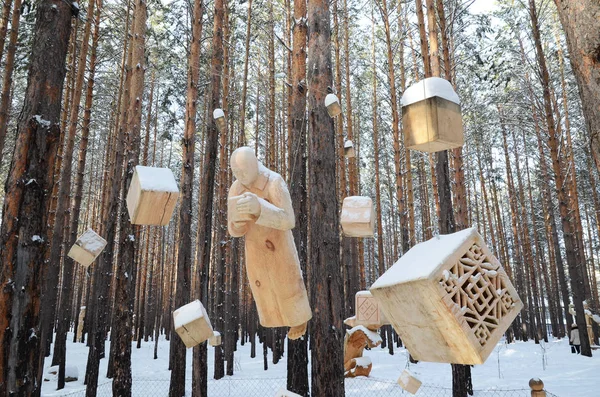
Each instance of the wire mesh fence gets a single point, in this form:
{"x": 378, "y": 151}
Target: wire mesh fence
{"x": 267, "y": 387}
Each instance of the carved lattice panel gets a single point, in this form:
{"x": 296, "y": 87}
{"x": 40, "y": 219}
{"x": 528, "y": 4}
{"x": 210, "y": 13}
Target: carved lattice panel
{"x": 476, "y": 291}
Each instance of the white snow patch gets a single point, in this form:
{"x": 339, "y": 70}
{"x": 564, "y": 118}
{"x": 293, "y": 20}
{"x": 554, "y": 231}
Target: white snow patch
{"x": 156, "y": 179}
{"x": 331, "y": 99}
{"x": 424, "y": 258}
{"x": 363, "y": 362}
{"x": 189, "y": 313}
{"x": 41, "y": 121}
{"x": 37, "y": 238}
{"x": 218, "y": 113}
{"x": 428, "y": 88}
{"x": 91, "y": 242}
{"x": 372, "y": 335}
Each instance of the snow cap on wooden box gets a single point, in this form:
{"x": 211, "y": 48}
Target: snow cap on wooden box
{"x": 368, "y": 310}
{"x": 219, "y": 116}
{"x": 349, "y": 151}
{"x": 431, "y": 116}
{"x": 215, "y": 340}
{"x": 408, "y": 382}
{"x": 333, "y": 105}
{"x": 192, "y": 324}
{"x": 152, "y": 196}
{"x": 87, "y": 247}
{"x": 449, "y": 299}
{"x": 358, "y": 216}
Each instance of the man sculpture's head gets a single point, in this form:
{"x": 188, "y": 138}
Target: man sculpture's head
{"x": 244, "y": 165}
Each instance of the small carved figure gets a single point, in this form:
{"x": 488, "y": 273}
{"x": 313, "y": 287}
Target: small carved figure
{"x": 260, "y": 208}
{"x": 355, "y": 341}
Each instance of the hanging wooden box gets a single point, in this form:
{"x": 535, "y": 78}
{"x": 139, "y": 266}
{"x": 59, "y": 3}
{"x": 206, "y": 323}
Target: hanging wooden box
{"x": 333, "y": 105}
{"x": 449, "y": 299}
{"x": 408, "y": 382}
{"x": 87, "y": 247}
{"x": 152, "y": 196}
{"x": 192, "y": 324}
{"x": 431, "y": 116}
{"x": 219, "y": 117}
{"x": 358, "y": 216}
{"x": 215, "y": 340}
{"x": 349, "y": 151}
{"x": 368, "y": 310}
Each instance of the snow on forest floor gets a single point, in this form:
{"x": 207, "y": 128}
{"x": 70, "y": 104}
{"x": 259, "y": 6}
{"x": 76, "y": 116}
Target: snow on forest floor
{"x": 508, "y": 367}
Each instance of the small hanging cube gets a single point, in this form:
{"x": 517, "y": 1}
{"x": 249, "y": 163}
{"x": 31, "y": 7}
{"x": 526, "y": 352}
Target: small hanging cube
{"x": 358, "y": 216}
{"x": 152, "y": 196}
{"x": 408, "y": 382}
{"x": 449, "y": 299}
{"x": 431, "y": 116}
{"x": 87, "y": 247}
{"x": 215, "y": 340}
{"x": 368, "y": 310}
{"x": 192, "y": 324}
{"x": 219, "y": 117}
{"x": 349, "y": 151}
{"x": 333, "y": 105}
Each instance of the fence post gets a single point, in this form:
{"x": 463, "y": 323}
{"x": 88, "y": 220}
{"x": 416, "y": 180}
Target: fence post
{"x": 537, "y": 388}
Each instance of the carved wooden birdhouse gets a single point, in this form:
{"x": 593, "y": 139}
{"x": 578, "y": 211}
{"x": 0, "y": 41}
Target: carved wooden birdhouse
{"x": 152, "y": 196}
{"x": 408, "y": 382}
{"x": 219, "y": 117}
{"x": 333, "y": 105}
{"x": 449, "y": 299}
{"x": 368, "y": 310}
{"x": 87, "y": 247}
{"x": 192, "y": 324}
{"x": 431, "y": 116}
{"x": 358, "y": 216}
{"x": 349, "y": 151}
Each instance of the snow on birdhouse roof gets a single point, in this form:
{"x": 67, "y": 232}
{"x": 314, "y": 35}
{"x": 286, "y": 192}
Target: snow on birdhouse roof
{"x": 91, "y": 241}
{"x": 428, "y": 88}
{"x": 372, "y": 335}
{"x": 156, "y": 179}
{"x": 331, "y": 98}
{"x": 218, "y": 113}
{"x": 348, "y": 144}
{"x": 357, "y": 202}
{"x": 189, "y": 313}
{"x": 424, "y": 258}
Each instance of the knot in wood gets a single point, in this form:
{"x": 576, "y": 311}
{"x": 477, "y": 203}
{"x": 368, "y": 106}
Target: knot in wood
{"x": 257, "y": 283}
{"x": 270, "y": 245}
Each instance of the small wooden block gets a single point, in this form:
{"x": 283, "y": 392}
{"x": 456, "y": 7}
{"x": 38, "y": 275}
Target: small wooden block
{"x": 449, "y": 299}
{"x": 232, "y": 210}
{"x": 360, "y": 366}
{"x": 333, "y": 105}
{"x": 87, "y": 247}
{"x": 431, "y": 116}
{"x": 358, "y": 217}
{"x": 408, "y": 382}
{"x": 152, "y": 196}
{"x": 286, "y": 393}
{"x": 368, "y": 310}
{"x": 192, "y": 324}
{"x": 349, "y": 151}
{"x": 215, "y": 340}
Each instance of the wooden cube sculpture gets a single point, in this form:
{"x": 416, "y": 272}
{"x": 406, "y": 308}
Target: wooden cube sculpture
{"x": 349, "y": 151}
{"x": 192, "y": 324}
{"x": 87, "y": 247}
{"x": 408, "y": 382}
{"x": 333, "y": 105}
{"x": 449, "y": 299}
{"x": 215, "y": 340}
{"x": 368, "y": 310}
{"x": 358, "y": 217}
{"x": 431, "y": 116}
{"x": 219, "y": 116}
{"x": 152, "y": 196}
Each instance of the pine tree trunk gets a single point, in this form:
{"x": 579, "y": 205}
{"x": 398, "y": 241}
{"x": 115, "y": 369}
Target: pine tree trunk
{"x": 323, "y": 238}
{"x": 25, "y": 212}
{"x": 4, "y": 24}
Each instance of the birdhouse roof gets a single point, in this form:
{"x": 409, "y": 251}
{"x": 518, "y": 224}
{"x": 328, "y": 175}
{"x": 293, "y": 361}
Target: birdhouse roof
{"x": 218, "y": 113}
{"x": 348, "y": 144}
{"x": 189, "y": 313}
{"x": 428, "y": 88}
{"x": 91, "y": 241}
{"x": 425, "y": 258}
{"x": 156, "y": 179}
{"x": 331, "y": 98}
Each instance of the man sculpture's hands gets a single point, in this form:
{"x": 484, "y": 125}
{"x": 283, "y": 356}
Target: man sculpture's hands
{"x": 248, "y": 205}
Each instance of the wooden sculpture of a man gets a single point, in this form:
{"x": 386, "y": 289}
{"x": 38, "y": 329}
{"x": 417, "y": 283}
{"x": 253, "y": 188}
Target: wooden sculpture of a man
{"x": 260, "y": 208}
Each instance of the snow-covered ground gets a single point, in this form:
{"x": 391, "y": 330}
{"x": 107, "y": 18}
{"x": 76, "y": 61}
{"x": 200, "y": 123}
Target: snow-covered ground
{"x": 509, "y": 367}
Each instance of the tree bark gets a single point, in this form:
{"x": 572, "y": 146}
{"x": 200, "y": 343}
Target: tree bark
{"x": 23, "y": 237}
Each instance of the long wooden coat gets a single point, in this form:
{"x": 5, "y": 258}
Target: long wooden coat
{"x": 272, "y": 263}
